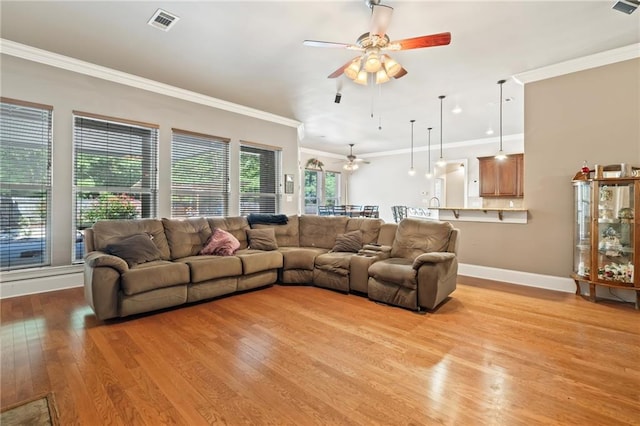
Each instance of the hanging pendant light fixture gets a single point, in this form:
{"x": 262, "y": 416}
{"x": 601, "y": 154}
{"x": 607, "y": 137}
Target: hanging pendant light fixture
{"x": 501, "y": 155}
{"x": 441, "y": 161}
{"x": 412, "y": 171}
{"x": 429, "y": 175}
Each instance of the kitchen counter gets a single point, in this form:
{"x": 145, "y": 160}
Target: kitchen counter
{"x": 483, "y": 214}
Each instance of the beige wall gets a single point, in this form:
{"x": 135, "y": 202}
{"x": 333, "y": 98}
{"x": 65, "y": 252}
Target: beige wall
{"x": 67, "y": 91}
{"x": 591, "y": 115}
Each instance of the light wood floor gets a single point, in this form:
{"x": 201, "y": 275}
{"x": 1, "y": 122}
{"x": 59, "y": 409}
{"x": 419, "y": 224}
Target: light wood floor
{"x": 493, "y": 354}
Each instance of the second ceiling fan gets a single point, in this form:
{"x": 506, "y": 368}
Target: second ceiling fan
{"x": 352, "y": 160}
{"x": 373, "y": 43}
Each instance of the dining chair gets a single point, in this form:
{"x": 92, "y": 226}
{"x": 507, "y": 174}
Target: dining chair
{"x": 325, "y": 210}
{"x": 340, "y": 210}
{"x": 399, "y": 213}
{"x": 370, "y": 211}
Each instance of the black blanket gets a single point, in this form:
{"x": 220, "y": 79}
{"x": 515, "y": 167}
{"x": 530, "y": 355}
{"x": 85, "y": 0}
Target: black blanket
{"x": 267, "y": 219}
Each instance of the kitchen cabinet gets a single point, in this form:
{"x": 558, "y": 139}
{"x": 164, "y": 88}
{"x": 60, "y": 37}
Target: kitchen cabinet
{"x": 502, "y": 178}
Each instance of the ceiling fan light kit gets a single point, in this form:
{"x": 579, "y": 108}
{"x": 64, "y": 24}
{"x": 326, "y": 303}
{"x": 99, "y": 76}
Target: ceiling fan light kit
{"x": 373, "y": 43}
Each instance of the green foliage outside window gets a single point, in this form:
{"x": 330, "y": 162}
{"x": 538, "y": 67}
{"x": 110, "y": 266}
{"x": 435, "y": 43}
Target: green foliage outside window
{"x": 104, "y": 170}
{"x": 249, "y": 172}
{"x": 111, "y": 206}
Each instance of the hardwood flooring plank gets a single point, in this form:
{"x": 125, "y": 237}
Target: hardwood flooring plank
{"x": 492, "y": 354}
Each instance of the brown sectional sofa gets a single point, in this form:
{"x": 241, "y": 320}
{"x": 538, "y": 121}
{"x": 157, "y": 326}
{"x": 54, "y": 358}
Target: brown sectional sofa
{"x": 178, "y": 274}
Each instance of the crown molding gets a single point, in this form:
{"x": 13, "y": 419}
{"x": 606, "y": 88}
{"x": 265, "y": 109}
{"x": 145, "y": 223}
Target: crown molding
{"x": 579, "y": 64}
{"x": 322, "y": 153}
{"x": 450, "y": 145}
{"x": 11, "y": 48}
{"x": 463, "y": 144}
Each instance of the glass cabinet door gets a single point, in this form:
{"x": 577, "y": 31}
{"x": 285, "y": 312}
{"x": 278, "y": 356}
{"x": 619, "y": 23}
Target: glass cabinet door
{"x": 582, "y": 231}
{"x": 616, "y": 240}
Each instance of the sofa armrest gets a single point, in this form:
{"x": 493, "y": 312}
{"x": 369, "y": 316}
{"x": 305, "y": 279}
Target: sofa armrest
{"x": 434, "y": 257}
{"x": 95, "y": 259}
{"x": 377, "y": 248}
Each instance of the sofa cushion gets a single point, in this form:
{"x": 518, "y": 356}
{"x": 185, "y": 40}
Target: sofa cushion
{"x": 336, "y": 262}
{"x": 110, "y": 231}
{"x": 321, "y": 231}
{"x": 370, "y": 228}
{"x": 205, "y": 268}
{"x": 262, "y": 239}
{"x": 396, "y": 270}
{"x": 221, "y": 243}
{"x": 257, "y": 261}
{"x": 349, "y": 242}
{"x": 286, "y": 235}
{"x": 134, "y": 249}
{"x": 300, "y": 257}
{"x": 154, "y": 275}
{"x": 186, "y": 237}
{"x": 236, "y": 226}
{"x": 417, "y": 236}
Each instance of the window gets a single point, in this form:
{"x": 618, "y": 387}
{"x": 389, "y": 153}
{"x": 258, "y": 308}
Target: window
{"x": 115, "y": 170}
{"x": 320, "y": 189}
{"x": 199, "y": 175}
{"x": 332, "y": 188}
{"x": 259, "y": 179}
{"x": 312, "y": 191}
{"x": 25, "y": 184}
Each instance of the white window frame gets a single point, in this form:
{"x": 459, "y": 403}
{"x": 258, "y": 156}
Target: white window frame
{"x": 28, "y": 246}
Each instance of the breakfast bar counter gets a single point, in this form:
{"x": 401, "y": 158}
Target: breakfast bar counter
{"x": 483, "y": 214}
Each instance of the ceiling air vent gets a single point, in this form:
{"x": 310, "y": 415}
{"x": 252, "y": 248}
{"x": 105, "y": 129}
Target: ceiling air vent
{"x": 163, "y": 20}
{"x": 626, "y": 6}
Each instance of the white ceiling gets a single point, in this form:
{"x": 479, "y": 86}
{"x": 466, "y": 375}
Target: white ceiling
{"x": 251, "y": 53}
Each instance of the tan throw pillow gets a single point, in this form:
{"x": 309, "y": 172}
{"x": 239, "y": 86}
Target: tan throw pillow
{"x": 262, "y": 239}
{"x": 134, "y": 249}
{"x": 349, "y": 242}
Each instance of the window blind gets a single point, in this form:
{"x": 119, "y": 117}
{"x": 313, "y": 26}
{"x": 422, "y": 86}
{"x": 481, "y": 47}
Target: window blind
{"x": 199, "y": 175}
{"x": 25, "y": 184}
{"x": 115, "y": 170}
{"x": 259, "y": 180}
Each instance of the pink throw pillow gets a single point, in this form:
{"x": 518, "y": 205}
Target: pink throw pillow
{"x": 221, "y": 243}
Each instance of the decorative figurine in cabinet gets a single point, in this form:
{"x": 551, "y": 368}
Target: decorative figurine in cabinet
{"x": 607, "y": 229}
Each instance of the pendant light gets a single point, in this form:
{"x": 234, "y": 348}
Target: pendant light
{"x": 501, "y": 155}
{"x": 429, "y": 175}
{"x": 412, "y": 171}
{"x": 441, "y": 162}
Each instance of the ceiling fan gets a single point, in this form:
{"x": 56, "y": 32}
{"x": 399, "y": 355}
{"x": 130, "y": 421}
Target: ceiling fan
{"x": 372, "y": 61}
{"x": 352, "y": 160}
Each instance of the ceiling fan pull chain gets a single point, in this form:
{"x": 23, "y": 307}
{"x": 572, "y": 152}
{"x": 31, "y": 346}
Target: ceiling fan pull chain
{"x": 380, "y": 102}
{"x": 373, "y": 98}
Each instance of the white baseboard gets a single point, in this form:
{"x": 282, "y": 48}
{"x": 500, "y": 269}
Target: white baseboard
{"x": 549, "y": 282}
{"x": 40, "y": 285}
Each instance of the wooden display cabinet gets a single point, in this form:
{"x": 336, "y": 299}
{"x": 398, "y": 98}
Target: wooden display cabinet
{"x": 607, "y": 233}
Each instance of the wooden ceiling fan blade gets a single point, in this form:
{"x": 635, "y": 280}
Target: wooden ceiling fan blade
{"x": 317, "y": 43}
{"x": 401, "y": 73}
{"x": 432, "y": 40}
{"x": 380, "y": 19}
{"x": 337, "y": 73}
